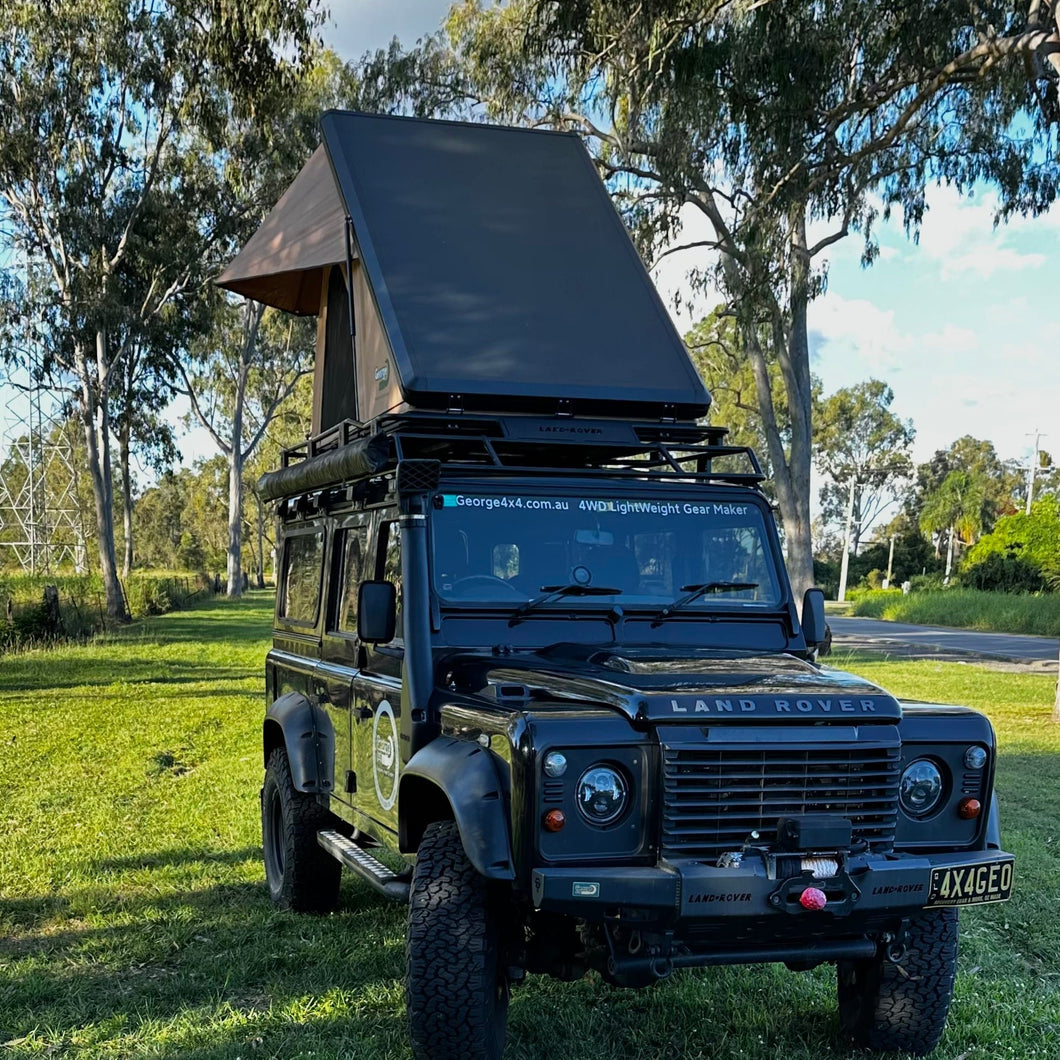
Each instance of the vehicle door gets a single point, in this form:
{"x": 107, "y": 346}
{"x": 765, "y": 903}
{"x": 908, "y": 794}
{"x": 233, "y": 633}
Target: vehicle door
{"x": 341, "y": 649}
{"x": 377, "y": 702}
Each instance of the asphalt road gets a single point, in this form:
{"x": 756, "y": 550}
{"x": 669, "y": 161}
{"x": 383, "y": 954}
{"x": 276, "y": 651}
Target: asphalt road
{"x": 932, "y": 640}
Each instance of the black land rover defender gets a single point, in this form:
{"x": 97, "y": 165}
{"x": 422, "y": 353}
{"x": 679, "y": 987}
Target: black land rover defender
{"x": 534, "y": 634}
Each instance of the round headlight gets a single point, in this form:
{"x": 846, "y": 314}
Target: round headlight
{"x": 975, "y": 757}
{"x": 602, "y": 795}
{"x": 920, "y": 789}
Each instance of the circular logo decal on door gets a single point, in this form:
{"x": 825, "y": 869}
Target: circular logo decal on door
{"x": 385, "y": 755}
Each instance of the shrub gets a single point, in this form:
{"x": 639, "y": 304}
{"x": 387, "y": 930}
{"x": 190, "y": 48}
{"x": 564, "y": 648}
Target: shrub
{"x": 926, "y": 583}
{"x": 1030, "y": 541}
{"x": 1005, "y": 572}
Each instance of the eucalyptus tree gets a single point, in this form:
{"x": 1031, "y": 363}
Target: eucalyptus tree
{"x": 781, "y": 128}
{"x": 1000, "y": 484}
{"x": 717, "y": 350}
{"x": 97, "y": 102}
{"x": 954, "y": 507}
{"x": 862, "y": 448}
{"x": 240, "y": 374}
{"x": 248, "y": 360}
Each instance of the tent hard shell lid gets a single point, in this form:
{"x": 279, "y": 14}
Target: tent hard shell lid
{"x": 489, "y": 269}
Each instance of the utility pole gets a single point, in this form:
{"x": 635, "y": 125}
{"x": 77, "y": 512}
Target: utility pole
{"x": 1033, "y": 468}
{"x": 890, "y": 564}
{"x": 846, "y": 541}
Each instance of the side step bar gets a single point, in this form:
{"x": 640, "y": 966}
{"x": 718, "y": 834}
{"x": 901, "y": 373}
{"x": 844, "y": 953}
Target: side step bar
{"x": 375, "y": 872}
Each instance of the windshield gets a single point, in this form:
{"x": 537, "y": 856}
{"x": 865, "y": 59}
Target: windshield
{"x": 507, "y": 548}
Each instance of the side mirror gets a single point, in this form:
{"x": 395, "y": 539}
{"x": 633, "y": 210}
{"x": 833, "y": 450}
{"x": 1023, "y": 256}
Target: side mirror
{"x": 377, "y": 612}
{"x": 813, "y": 623}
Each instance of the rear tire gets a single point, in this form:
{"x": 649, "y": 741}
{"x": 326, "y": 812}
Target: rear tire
{"x": 301, "y": 875}
{"x": 902, "y": 1006}
{"x": 456, "y": 985}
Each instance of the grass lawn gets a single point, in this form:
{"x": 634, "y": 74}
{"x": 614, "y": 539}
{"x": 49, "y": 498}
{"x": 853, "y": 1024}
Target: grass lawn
{"x": 134, "y": 920}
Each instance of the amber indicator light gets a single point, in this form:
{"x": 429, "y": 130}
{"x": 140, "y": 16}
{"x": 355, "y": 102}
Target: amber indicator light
{"x": 554, "y": 820}
{"x": 968, "y": 809}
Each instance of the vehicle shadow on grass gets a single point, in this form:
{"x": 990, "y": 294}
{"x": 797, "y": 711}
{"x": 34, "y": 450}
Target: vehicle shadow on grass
{"x": 137, "y": 958}
{"x": 103, "y": 673}
{"x": 172, "y": 858}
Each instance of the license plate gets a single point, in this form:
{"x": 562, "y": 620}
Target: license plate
{"x": 988, "y": 881}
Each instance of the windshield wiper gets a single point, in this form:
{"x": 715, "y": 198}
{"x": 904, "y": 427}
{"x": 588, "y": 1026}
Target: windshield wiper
{"x": 554, "y": 592}
{"x": 693, "y": 592}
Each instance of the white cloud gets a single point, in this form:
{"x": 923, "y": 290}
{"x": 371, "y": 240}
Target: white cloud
{"x": 854, "y": 338}
{"x": 961, "y": 235}
{"x": 951, "y": 339}
{"x": 985, "y": 261}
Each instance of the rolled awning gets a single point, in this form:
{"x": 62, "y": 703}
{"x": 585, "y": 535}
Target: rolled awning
{"x": 282, "y": 264}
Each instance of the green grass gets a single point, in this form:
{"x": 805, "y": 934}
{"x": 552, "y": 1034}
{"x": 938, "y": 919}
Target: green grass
{"x": 134, "y": 920}
{"x": 966, "y": 609}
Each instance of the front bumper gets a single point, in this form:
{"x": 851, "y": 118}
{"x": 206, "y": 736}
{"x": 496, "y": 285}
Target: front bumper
{"x": 867, "y": 886}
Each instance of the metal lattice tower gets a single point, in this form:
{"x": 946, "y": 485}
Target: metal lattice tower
{"x": 41, "y": 526}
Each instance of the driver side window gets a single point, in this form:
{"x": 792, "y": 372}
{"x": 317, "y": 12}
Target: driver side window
{"x": 388, "y": 564}
{"x": 353, "y": 572}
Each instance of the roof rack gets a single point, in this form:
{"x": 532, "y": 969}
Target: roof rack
{"x": 527, "y": 445}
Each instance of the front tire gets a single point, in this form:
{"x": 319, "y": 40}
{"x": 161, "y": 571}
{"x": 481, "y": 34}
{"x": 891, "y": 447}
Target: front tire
{"x": 902, "y": 1006}
{"x": 456, "y": 985}
{"x": 301, "y": 875}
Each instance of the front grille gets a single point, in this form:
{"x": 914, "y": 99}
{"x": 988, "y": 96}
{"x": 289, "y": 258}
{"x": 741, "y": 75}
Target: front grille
{"x": 715, "y": 797}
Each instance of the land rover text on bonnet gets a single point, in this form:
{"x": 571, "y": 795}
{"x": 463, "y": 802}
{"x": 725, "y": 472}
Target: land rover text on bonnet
{"x": 535, "y": 647}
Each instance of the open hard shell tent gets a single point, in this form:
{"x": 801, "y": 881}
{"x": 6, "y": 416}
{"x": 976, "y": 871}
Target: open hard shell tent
{"x": 489, "y": 272}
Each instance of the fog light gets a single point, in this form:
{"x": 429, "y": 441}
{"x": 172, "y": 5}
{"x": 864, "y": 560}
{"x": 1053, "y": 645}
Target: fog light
{"x": 975, "y": 757}
{"x": 969, "y": 809}
{"x": 554, "y": 820}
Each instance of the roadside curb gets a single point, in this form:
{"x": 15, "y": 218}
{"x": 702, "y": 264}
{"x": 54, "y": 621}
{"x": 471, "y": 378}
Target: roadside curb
{"x": 902, "y": 650}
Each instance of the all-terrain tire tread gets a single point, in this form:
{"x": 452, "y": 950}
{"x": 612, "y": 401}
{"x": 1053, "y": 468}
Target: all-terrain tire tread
{"x": 451, "y": 955}
{"x": 903, "y": 1006}
{"x": 311, "y": 876}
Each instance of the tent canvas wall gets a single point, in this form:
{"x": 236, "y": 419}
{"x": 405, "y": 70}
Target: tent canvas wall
{"x": 490, "y": 272}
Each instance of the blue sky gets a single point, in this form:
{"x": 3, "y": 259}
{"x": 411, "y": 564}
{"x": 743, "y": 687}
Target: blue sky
{"x": 962, "y": 325}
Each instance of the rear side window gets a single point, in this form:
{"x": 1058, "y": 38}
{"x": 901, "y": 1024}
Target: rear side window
{"x": 303, "y": 561}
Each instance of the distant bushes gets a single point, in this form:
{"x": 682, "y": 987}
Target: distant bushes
{"x": 1021, "y": 553}
{"x": 965, "y": 609}
{"x": 39, "y": 609}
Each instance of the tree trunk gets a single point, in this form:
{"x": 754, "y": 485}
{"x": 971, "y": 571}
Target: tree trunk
{"x": 236, "y": 456}
{"x": 235, "y": 518}
{"x": 791, "y": 470}
{"x": 949, "y": 558}
{"x": 126, "y": 500}
{"x": 261, "y": 542}
{"x": 96, "y": 422}
{"x": 793, "y": 351}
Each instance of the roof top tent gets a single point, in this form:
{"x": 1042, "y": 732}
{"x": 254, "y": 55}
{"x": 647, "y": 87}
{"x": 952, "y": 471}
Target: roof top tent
{"x": 489, "y": 272}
